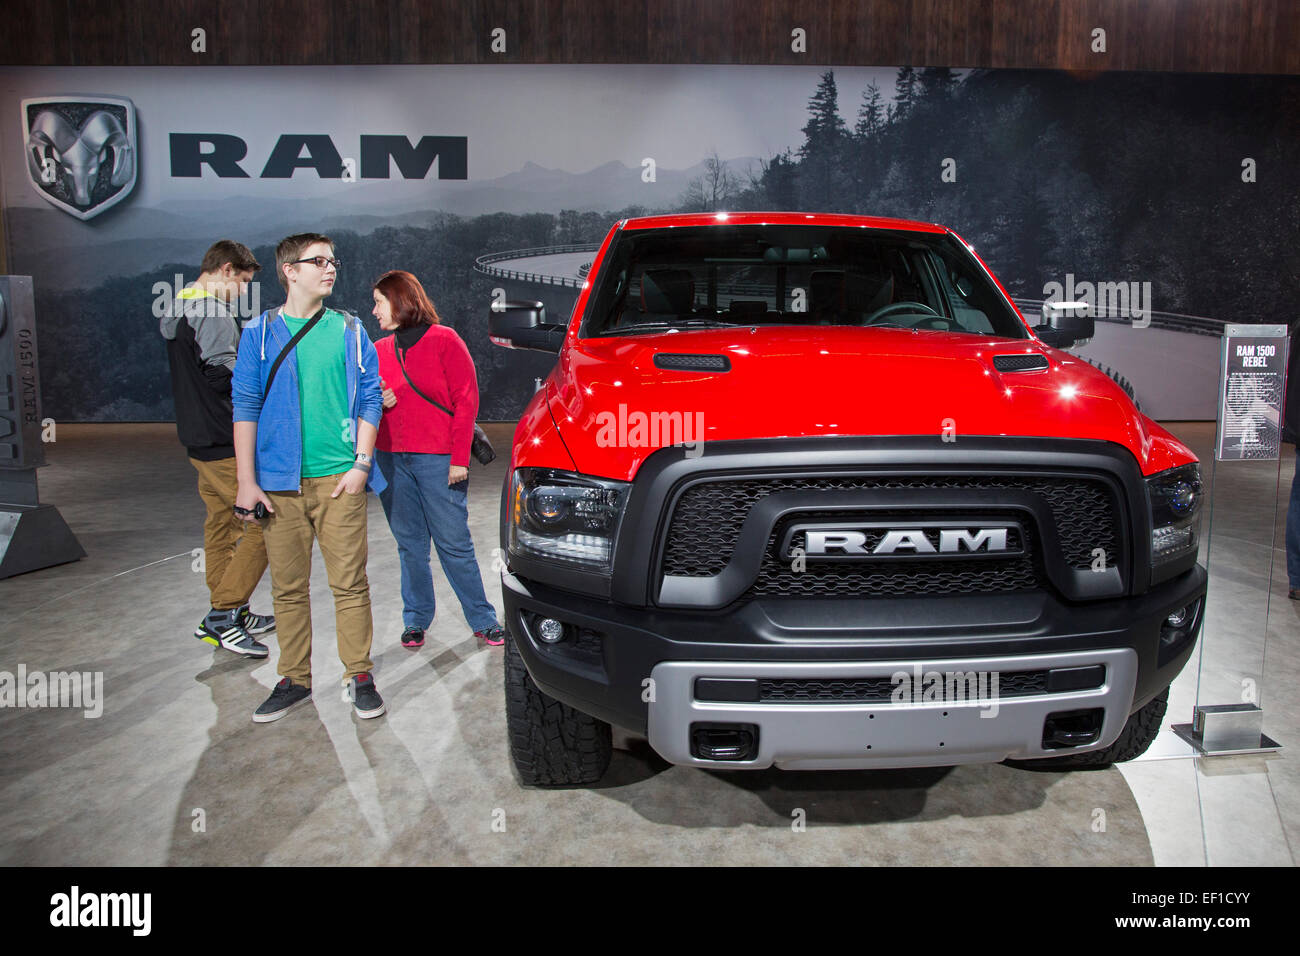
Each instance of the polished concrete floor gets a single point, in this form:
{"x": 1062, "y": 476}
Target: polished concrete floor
{"x": 174, "y": 771}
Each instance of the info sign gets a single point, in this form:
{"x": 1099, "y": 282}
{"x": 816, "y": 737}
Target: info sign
{"x": 1252, "y": 381}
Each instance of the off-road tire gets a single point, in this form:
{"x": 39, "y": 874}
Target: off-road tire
{"x": 1133, "y": 741}
{"x": 551, "y": 744}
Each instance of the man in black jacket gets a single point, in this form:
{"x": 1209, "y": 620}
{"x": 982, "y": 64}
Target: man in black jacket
{"x": 1291, "y": 433}
{"x": 202, "y": 330}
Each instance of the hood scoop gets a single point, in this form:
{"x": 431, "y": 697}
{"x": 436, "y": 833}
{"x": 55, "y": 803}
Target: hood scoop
{"x": 688, "y": 362}
{"x": 1020, "y": 362}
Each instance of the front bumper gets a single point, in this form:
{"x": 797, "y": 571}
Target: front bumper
{"x": 630, "y": 655}
{"x": 910, "y": 733}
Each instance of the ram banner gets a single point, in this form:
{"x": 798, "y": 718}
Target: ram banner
{"x": 1166, "y": 203}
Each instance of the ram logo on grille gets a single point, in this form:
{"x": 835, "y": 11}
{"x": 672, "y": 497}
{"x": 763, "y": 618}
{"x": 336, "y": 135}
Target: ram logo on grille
{"x": 939, "y": 539}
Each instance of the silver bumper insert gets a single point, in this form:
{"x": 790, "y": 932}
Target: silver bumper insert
{"x": 915, "y": 732}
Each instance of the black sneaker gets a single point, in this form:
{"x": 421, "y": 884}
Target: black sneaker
{"x": 254, "y": 623}
{"x": 286, "y": 696}
{"x": 413, "y": 637}
{"x": 221, "y": 629}
{"x": 360, "y": 690}
{"x": 494, "y": 636}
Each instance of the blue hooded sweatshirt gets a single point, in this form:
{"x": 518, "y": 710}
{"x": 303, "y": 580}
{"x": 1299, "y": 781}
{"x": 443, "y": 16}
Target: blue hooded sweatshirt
{"x": 279, "y": 415}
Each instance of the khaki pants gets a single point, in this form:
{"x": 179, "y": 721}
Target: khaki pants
{"x": 339, "y": 524}
{"x": 234, "y": 554}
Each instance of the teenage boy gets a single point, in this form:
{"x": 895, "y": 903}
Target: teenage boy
{"x": 303, "y": 444}
{"x": 202, "y": 332}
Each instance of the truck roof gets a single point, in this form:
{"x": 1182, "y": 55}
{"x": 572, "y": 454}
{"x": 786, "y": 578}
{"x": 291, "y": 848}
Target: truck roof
{"x": 781, "y": 218}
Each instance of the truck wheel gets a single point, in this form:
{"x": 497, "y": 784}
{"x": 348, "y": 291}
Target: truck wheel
{"x": 551, "y": 744}
{"x": 1132, "y": 741}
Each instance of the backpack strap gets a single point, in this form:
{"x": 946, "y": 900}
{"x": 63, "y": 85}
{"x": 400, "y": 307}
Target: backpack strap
{"x": 275, "y": 366}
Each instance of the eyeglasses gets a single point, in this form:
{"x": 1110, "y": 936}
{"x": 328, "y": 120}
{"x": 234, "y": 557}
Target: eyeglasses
{"x": 321, "y": 262}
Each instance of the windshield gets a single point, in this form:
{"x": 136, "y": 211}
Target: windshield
{"x": 718, "y": 276}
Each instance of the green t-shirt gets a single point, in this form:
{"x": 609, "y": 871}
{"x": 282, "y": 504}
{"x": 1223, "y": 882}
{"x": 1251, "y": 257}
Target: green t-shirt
{"x": 323, "y": 395}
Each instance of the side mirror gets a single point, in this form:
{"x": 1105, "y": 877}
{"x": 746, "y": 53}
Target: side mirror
{"x": 522, "y": 325}
{"x": 1065, "y": 324}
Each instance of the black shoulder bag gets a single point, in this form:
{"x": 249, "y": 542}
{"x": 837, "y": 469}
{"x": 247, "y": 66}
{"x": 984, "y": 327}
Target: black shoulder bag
{"x": 275, "y": 366}
{"x": 479, "y": 446}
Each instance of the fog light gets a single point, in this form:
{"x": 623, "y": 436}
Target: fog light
{"x": 550, "y": 630}
{"x": 1177, "y": 631}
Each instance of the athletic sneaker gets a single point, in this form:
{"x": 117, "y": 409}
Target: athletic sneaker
{"x": 360, "y": 690}
{"x": 494, "y": 635}
{"x": 255, "y": 623}
{"x": 413, "y": 637}
{"x": 222, "y": 629}
{"x": 286, "y": 696}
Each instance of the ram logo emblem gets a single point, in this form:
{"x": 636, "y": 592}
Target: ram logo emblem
{"x": 938, "y": 538}
{"x": 81, "y": 151}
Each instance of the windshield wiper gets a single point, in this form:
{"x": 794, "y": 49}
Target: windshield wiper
{"x": 692, "y": 323}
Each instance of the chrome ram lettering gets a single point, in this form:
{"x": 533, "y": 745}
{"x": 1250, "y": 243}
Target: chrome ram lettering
{"x": 951, "y": 539}
{"x": 907, "y": 540}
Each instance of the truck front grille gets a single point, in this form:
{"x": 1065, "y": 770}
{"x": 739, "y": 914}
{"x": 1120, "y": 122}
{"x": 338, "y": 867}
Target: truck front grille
{"x": 708, "y": 516}
{"x": 932, "y": 578}
{"x": 866, "y": 690}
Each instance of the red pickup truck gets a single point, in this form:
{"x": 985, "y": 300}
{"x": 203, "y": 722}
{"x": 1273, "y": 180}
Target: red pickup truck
{"x": 807, "y": 491}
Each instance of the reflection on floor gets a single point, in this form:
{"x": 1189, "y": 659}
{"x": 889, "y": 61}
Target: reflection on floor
{"x": 174, "y": 771}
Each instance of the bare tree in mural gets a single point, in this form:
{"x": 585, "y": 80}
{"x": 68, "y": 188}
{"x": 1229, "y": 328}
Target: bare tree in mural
{"x": 716, "y": 189}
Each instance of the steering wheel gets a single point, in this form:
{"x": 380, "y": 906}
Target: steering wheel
{"x": 901, "y": 307}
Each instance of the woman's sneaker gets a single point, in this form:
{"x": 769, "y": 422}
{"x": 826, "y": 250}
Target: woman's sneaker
{"x": 222, "y": 629}
{"x": 360, "y": 690}
{"x": 494, "y": 635}
{"x": 413, "y": 637}
{"x": 286, "y": 696}
{"x": 254, "y": 623}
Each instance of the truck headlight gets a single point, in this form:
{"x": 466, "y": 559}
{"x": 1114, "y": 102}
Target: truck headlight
{"x": 565, "y": 517}
{"x": 1175, "y": 498}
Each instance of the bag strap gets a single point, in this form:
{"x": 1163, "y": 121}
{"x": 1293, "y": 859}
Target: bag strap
{"x": 275, "y": 366}
{"x": 401, "y": 363}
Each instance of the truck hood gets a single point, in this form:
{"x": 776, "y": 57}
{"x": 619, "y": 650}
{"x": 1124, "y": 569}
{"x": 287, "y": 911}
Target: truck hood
{"x": 613, "y": 406}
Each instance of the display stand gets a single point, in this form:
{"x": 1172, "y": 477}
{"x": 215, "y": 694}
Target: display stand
{"x": 32, "y": 535}
{"x": 1244, "y": 492}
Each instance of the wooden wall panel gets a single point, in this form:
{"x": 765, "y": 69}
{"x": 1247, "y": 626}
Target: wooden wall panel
{"x": 1237, "y": 36}
{"x": 1025, "y": 34}
{"x": 35, "y": 31}
{"x": 1285, "y": 52}
{"x": 99, "y": 25}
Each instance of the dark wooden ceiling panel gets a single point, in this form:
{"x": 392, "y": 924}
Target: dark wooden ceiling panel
{"x": 1235, "y": 36}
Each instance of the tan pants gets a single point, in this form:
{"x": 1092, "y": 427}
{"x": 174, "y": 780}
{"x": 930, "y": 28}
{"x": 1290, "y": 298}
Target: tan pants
{"x": 339, "y": 524}
{"x": 234, "y": 554}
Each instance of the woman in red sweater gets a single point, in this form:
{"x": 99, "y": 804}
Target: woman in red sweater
{"x": 423, "y": 453}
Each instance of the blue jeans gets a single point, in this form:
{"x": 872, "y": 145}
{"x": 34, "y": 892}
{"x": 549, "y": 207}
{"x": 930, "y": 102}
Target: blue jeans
{"x": 420, "y": 506}
{"x": 1293, "y": 528}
